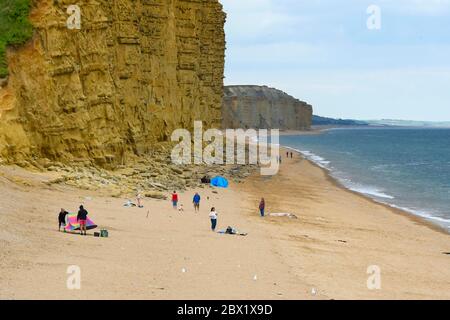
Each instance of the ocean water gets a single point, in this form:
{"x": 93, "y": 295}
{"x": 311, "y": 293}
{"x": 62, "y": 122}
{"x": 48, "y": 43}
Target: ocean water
{"x": 403, "y": 167}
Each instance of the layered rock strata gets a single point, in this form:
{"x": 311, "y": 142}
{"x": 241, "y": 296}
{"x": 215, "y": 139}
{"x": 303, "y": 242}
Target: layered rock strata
{"x": 134, "y": 72}
{"x": 261, "y": 107}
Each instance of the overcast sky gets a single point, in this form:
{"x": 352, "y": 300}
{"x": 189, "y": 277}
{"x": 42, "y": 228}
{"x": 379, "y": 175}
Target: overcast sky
{"x": 322, "y": 52}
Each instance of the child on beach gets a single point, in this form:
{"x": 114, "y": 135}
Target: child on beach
{"x": 138, "y": 199}
{"x": 81, "y": 218}
{"x": 196, "y": 202}
{"x": 62, "y": 219}
{"x": 175, "y": 200}
{"x": 262, "y": 206}
{"x": 213, "y": 217}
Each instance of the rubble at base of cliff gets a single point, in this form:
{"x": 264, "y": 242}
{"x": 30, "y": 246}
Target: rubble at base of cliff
{"x": 153, "y": 176}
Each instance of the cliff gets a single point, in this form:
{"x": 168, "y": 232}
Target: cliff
{"x": 261, "y": 107}
{"x": 134, "y": 72}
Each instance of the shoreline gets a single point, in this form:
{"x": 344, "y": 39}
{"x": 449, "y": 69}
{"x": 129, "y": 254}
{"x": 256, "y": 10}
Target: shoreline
{"x": 410, "y": 214}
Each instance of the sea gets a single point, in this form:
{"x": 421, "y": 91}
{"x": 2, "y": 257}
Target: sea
{"x": 406, "y": 168}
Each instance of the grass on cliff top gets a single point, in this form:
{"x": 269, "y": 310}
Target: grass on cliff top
{"x": 15, "y": 28}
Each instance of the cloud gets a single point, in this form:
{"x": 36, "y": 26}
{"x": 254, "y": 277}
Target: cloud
{"x": 321, "y": 51}
{"x": 275, "y": 54}
{"x": 417, "y": 7}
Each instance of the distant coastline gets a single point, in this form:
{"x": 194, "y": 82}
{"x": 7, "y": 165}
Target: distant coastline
{"x": 318, "y": 129}
{"x": 395, "y": 123}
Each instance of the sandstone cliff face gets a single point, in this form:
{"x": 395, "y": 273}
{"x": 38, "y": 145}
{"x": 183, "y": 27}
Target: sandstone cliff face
{"x": 261, "y": 107}
{"x": 135, "y": 71}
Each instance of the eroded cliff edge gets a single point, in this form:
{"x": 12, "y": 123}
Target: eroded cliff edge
{"x": 261, "y": 107}
{"x": 134, "y": 72}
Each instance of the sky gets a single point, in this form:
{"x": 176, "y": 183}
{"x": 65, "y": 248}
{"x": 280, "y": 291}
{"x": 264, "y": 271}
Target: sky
{"x": 324, "y": 53}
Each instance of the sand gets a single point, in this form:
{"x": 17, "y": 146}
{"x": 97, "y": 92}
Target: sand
{"x": 323, "y": 254}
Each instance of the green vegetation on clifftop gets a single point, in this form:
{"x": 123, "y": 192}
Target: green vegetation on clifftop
{"x": 15, "y": 28}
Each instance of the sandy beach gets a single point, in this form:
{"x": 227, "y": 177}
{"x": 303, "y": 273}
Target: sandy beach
{"x": 158, "y": 253}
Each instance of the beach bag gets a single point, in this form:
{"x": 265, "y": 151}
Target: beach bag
{"x": 205, "y": 179}
{"x": 104, "y": 233}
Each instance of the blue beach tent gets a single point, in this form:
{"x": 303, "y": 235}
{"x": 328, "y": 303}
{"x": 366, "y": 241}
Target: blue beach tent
{"x": 219, "y": 182}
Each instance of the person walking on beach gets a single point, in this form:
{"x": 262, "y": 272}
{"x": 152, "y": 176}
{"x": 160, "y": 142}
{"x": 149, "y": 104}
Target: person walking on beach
{"x": 81, "y": 218}
{"x": 175, "y": 200}
{"x": 262, "y": 206}
{"x": 291, "y": 155}
{"x": 196, "y": 202}
{"x": 62, "y": 219}
{"x": 213, "y": 217}
{"x": 287, "y": 154}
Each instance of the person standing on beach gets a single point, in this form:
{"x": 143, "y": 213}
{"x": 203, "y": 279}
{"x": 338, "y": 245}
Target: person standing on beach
{"x": 62, "y": 219}
{"x": 262, "y": 206}
{"x": 175, "y": 200}
{"x": 291, "y": 155}
{"x": 81, "y": 218}
{"x": 196, "y": 202}
{"x": 213, "y": 217}
{"x": 287, "y": 154}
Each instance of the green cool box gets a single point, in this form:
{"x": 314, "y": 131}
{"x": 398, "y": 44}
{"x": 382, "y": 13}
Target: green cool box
{"x": 104, "y": 233}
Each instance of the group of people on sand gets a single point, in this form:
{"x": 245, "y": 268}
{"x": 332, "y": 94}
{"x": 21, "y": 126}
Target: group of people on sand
{"x": 81, "y": 219}
{"x": 213, "y": 213}
{"x": 83, "y": 213}
{"x": 196, "y": 202}
{"x": 279, "y": 158}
